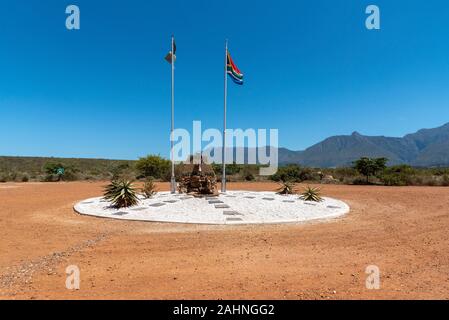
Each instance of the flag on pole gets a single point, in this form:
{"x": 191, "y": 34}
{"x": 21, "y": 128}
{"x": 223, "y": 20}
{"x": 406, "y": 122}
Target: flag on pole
{"x": 233, "y": 71}
{"x": 169, "y": 57}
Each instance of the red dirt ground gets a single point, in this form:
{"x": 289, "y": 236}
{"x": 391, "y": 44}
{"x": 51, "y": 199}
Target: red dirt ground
{"x": 403, "y": 231}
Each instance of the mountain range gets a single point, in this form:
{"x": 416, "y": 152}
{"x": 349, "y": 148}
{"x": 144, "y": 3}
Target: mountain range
{"x": 425, "y": 148}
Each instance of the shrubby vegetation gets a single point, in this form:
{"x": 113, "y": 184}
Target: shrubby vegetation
{"x": 149, "y": 189}
{"x": 121, "y": 194}
{"x": 154, "y": 167}
{"x": 364, "y": 171}
{"x": 311, "y": 194}
{"x": 286, "y": 188}
{"x": 294, "y": 173}
{"x": 369, "y": 167}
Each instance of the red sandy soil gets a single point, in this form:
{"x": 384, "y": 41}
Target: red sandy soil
{"x": 404, "y": 231}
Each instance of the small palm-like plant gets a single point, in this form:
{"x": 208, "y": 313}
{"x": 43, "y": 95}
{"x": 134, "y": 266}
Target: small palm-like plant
{"x": 286, "y": 188}
{"x": 121, "y": 194}
{"x": 149, "y": 189}
{"x": 311, "y": 194}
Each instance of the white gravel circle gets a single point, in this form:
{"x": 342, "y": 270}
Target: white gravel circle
{"x": 233, "y": 207}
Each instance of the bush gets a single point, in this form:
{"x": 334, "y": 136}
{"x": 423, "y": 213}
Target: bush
{"x": 311, "y": 194}
{"x": 293, "y": 173}
{"x": 49, "y": 178}
{"x": 247, "y": 175}
{"x": 218, "y": 169}
{"x": 369, "y": 167}
{"x": 149, "y": 189}
{"x": 12, "y": 176}
{"x": 57, "y": 171}
{"x": 118, "y": 170}
{"x": 398, "y": 176}
{"x": 360, "y": 182}
{"x": 445, "y": 181}
{"x": 25, "y": 178}
{"x": 286, "y": 188}
{"x": 121, "y": 194}
{"x": 154, "y": 167}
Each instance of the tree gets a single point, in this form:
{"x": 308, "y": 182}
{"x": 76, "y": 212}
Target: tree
{"x": 370, "y": 166}
{"x": 154, "y": 166}
{"x": 58, "y": 169}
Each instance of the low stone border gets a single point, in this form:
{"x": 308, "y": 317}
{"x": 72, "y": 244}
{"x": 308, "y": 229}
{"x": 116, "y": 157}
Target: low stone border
{"x": 247, "y": 207}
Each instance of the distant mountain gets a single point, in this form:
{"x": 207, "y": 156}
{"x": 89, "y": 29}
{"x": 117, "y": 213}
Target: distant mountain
{"x": 425, "y": 148}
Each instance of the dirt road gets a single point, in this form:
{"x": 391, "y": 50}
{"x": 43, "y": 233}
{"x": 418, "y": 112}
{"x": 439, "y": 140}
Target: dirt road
{"x": 403, "y": 231}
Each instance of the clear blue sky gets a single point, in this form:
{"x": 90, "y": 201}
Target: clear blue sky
{"x": 311, "y": 68}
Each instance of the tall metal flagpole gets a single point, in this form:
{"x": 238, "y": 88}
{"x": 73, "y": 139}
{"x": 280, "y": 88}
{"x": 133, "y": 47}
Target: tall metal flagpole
{"x": 173, "y": 179}
{"x": 223, "y": 179}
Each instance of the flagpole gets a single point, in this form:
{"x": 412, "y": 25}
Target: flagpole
{"x": 223, "y": 179}
{"x": 173, "y": 179}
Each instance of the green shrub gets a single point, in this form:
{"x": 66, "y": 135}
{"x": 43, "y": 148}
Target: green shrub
{"x": 155, "y": 167}
{"x": 149, "y": 189}
{"x": 311, "y": 194}
{"x": 12, "y": 176}
{"x": 401, "y": 175}
{"x": 293, "y": 173}
{"x": 445, "y": 181}
{"x": 49, "y": 178}
{"x": 286, "y": 188}
{"x": 218, "y": 169}
{"x": 369, "y": 167}
{"x": 121, "y": 194}
{"x": 118, "y": 170}
{"x": 247, "y": 174}
{"x": 25, "y": 178}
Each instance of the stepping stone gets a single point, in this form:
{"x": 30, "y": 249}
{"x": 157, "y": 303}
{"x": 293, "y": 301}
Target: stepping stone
{"x": 215, "y": 201}
{"x": 87, "y": 202}
{"x": 222, "y": 206}
{"x": 250, "y": 197}
{"x": 333, "y": 207}
{"x": 211, "y": 198}
{"x": 171, "y": 201}
{"x": 288, "y": 201}
{"x": 310, "y": 204}
{"x": 157, "y": 205}
{"x": 186, "y": 198}
{"x": 234, "y": 219}
{"x": 120, "y": 213}
{"x": 138, "y": 209}
{"x": 268, "y": 199}
{"x": 231, "y": 213}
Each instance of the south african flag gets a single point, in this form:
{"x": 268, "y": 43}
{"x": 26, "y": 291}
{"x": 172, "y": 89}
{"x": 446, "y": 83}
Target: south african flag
{"x": 233, "y": 71}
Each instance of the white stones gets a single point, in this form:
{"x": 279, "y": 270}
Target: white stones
{"x": 238, "y": 209}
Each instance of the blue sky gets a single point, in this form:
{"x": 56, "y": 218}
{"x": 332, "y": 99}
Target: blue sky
{"x": 311, "y": 68}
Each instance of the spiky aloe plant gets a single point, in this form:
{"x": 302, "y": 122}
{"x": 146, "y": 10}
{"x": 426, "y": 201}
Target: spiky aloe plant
{"x": 286, "y": 188}
{"x": 149, "y": 189}
{"x": 311, "y": 194}
{"x": 121, "y": 194}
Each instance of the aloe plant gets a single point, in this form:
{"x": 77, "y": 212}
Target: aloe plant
{"x": 286, "y": 188}
{"x": 149, "y": 189}
{"x": 121, "y": 194}
{"x": 311, "y": 194}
